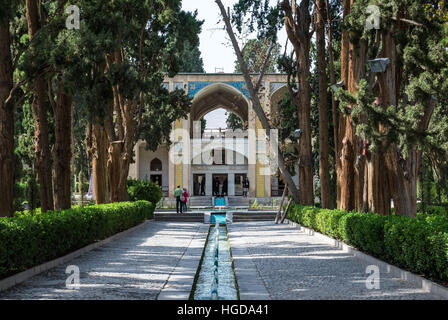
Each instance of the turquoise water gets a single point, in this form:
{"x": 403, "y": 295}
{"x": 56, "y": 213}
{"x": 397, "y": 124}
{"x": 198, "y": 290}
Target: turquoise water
{"x": 219, "y": 217}
{"x": 216, "y": 279}
{"x": 220, "y": 202}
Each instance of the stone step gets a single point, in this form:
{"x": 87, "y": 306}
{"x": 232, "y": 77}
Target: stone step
{"x": 236, "y": 214}
{"x": 252, "y": 219}
{"x": 200, "y": 201}
{"x": 180, "y": 219}
{"x": 253, "y": 215}
{"x": 174, "y": 215}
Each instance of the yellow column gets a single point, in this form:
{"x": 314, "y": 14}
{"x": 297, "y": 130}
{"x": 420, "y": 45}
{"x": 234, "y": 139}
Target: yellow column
{"x": 178, "y": 160}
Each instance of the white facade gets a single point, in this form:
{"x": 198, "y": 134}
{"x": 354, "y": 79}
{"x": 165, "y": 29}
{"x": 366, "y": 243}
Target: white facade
{"x": 189, "y": 160}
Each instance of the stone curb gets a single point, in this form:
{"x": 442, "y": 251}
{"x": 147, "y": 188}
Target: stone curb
{"x": 250, "y": 283}
{"x": 180, "y": 281}
{"x": 425, "y": 284}
{"x": 25, "y": 275}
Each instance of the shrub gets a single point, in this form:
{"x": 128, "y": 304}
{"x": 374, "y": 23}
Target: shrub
{"x": 417, "y": 244}
{"x": 85, "y": 187}
{"x": 144, "y": 190}
{"x": 440, "y": 210}
{"x": 29, "y": 240}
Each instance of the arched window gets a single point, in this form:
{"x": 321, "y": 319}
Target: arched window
{"x": 156, "y": 165}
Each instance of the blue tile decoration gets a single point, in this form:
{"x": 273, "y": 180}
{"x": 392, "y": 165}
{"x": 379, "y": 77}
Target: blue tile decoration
{"x": 196, "y": 86}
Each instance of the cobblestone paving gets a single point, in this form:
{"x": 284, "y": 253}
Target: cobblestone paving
{"x": 296, "y": 266}
{"x": 135, "y": 266}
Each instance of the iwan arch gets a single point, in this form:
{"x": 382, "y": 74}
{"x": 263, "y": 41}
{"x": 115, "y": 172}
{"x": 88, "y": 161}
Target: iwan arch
{"x": 188, "y": 163}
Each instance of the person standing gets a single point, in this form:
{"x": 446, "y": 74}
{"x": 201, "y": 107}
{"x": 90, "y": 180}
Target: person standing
{"x": 245, "y": 186}
{"x": 224, "y": 187}
{"x": 203, "y": 186}
{"x": 185, "y": 199}
{"x": 178, "y": 193}
{"x": 216, "y": 186}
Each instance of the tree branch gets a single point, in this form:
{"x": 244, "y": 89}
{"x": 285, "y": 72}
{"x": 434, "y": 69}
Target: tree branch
{"x": 264, "y": 66}
{"x": 257, "y": 105}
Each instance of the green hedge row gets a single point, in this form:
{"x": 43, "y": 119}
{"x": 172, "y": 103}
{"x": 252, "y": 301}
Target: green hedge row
{"x": 29, "y": 240}
{"x": 441, "y": 210}
{"x": 417, "y": 244}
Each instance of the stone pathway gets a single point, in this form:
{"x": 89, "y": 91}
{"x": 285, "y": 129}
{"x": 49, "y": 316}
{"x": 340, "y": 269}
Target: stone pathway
{"x": 292, "y": 265}
{"x": 136, "y": 266}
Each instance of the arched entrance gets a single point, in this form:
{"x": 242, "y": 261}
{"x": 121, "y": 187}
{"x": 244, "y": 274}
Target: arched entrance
{"x": 223, "y": 158}
{"x": 219, "y": 95}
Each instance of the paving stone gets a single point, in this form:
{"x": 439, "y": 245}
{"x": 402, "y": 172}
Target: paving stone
{"x": 174, "y": 295}
{"x": 137, "y": 266}
{"x": 294, "y": 266}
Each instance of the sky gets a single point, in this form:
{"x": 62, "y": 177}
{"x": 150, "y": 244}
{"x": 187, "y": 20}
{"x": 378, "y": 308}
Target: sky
{"x": 215, "y": 46}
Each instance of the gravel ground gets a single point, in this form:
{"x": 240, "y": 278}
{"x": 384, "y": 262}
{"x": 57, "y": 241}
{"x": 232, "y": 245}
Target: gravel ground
{"x": 296, "y": 266}
{"x": 135, "y": 266}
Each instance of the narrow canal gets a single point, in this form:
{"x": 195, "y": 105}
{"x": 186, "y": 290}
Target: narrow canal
{"x": 216, "y": 279}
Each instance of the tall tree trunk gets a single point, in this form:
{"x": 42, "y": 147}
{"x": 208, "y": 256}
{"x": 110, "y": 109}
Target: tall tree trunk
{"x": 334, "y": 109}
{"x": 118, "y": 168}
{"x": 306, "y": 172}
{"x": 121, "y": 148}
{"x": 324, "y": 172}
{"x": 403, "y": 174}
{"x": 6, "y": 123}
{"x": 40, "y": 114}
{"x": 351, "y": 161}
{"x": 377, "y": 185}
{"x": 335, "y": 112}
{"x": 298, "y": 21}
{"x": 97, "y": 146}
{"x": 342, "y": 152}
{"x": 62, "y": 151}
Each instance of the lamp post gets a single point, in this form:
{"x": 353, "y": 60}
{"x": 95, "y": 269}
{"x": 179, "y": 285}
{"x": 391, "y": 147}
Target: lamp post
{"x": 378, "y": 65}
{"x": 296, "y": 134}
{"x": 336, "y": 86}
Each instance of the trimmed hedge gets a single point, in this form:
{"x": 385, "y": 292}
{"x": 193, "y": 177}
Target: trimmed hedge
{"x": 418, "y": 244}
{"x": 144, "y": 190}
{"x": 29, "y": 240}
{"x": 441, "y": 210}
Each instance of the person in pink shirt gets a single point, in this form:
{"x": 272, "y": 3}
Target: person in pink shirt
{"x": 185, "y": 199}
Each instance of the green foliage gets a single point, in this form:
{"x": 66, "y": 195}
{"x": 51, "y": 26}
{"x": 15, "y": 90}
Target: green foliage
{"x": 254, "y": 53}
{"x": 441, "y": 210}
{"x": 257, "y": 16}
{"x": 144, "y": 190}
{"x": 29, "y": 240}
{"x": 162, "y": 108}
{"x": 203, "y": 125}
{"x": 85, "y": 187}
{"x": 422, "y": 55}
{"x": 19, "y": 195}
{"x": 417, "y": 244}
{"x": 190, "y": 59}
{"x": 32, "y": 193}
{"x": 234, "y": 122}
{"x": 286, "y": 120}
